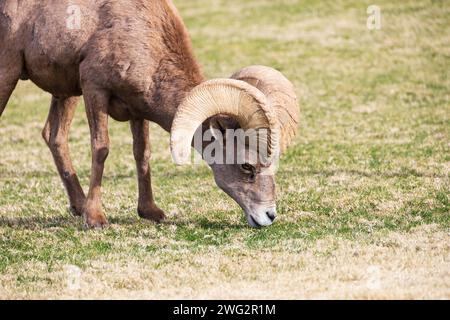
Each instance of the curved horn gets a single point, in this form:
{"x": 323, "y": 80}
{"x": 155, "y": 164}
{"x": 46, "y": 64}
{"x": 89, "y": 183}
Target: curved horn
{"x": 280, "y": 94}
{"x": 229, "y": 97}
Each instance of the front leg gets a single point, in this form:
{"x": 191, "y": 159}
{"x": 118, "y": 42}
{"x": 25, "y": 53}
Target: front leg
{"x": 96, "y": 101}
{"x": 147, "y": 208}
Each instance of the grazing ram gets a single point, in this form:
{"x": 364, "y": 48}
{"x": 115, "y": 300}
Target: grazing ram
{"x": 133, "y": 61}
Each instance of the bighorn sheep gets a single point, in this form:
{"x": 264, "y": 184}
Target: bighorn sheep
{"x": 133, "y": 61}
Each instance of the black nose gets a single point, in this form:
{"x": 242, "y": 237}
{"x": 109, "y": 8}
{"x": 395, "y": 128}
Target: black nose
{"x": 271, "y": 214}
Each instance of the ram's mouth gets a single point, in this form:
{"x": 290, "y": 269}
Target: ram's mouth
{"x": 254, "y": 223}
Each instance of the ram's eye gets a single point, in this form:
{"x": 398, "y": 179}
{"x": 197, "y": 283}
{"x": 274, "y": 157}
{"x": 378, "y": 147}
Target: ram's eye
{"x": 247, "y": 168}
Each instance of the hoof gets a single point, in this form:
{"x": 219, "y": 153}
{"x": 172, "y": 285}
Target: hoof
{"x": 76, "y": 211}
{"x": 153, "y": 214}
{"x": 95, "y": 220}
{"x": 96, "y": 224}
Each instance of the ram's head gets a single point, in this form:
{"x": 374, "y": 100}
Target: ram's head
{"x": 257, "y": 104}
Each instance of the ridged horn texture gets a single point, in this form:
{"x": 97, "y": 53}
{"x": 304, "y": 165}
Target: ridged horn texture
{"x": 280, "y": 95}
{"x": 230, "y": 97}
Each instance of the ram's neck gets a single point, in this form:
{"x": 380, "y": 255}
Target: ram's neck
{"x": 178, "y": 71}
{"x": 173, "y": 82}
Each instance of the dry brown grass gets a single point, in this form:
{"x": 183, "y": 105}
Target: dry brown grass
{"x": 414, "y": 265}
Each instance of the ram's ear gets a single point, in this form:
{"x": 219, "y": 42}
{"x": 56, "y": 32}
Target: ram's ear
{"x": 222, "y": 123}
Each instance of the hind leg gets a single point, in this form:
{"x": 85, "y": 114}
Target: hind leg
{"x": 10, "y": 69}
{"x": 5, "y": 93}
{"x": 96, "y": 100}
{"x": 55, "y": 134}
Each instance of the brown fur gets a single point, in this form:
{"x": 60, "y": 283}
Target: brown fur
{"x": 131, "y": 60}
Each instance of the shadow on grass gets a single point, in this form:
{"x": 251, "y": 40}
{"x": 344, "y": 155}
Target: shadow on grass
{"x": 39, "y": 222}
{"x": 48, "y": 222}
{"x": 205, "y": 224}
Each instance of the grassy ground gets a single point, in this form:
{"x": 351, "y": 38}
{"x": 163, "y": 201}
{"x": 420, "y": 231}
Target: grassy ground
{"x": 363, "y": 193}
